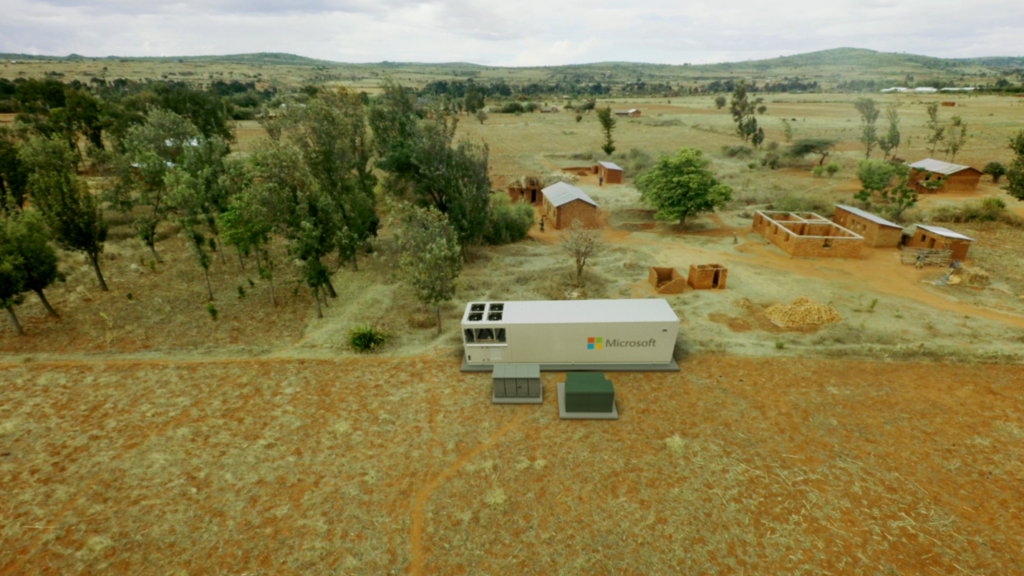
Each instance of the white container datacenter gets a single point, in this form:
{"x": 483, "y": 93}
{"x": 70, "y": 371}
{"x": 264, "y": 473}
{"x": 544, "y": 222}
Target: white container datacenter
{"x": 570, "y": 332}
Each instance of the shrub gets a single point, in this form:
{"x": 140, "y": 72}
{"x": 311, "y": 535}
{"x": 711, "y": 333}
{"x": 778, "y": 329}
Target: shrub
{"x": 988, "y": 210}
{"x": 531, "y": 107}
{"x": 772, "y": 160}
{"x": 212, "y": 310}
{"x": 635, "y": 161}
{"x": 738, "y": 151}
{"x": 363, "y": 338}
{"x": 818, "y": 171}
{"x": 995, "y": 170}
{"x": 803, "y": 204}
{"x": 511, "y": 108}
{"x": 832, "y": 168}
{"x": 509, "y": 222}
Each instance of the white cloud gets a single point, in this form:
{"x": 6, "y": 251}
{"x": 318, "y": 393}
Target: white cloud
{"x": 527, "y": 32}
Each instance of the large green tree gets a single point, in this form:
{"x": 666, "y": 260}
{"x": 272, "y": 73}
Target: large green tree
{"x": 869, "y": 114}
{"x": 1015, "y": 172}
{"x": 13, "y": 174}
{"x": 936, "y": 131}
{"x": 607, "y": 121}
{"x": 956, "y": 137}
{"x": 681, "y": 186}
{"x": 889, "y": 142}
{"x": 27, "y": 236}
{"x": 428, "y": 255}
{"x": 70, "y": 210}
{"x": 425, "y": 165}
{"x": 151, "y": 151}
{"x": 331, "y": 135}
{"x": 12, "y": 280}
{"x": 743, "y": 109}
{"x": 886, "y": 182}
{"x": 820, "y": 147}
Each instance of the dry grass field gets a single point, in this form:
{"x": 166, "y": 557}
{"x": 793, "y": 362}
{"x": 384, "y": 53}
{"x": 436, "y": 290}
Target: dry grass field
{"x": 394, "y": 466}
{"x": 140, "y": 436}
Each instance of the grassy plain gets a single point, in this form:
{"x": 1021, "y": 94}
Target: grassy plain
{"x": 139, "y": 436}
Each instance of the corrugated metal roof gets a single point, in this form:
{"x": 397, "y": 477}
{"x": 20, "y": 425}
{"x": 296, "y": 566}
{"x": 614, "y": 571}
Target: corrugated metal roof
{"x": 938, "y": 166}
{"x": 561, "y": 193}
{"x": 610, "y": 166}
{"x": 580, "y": 312}
{"x": 945, "y": 232}
{"x": 869, "y": 216}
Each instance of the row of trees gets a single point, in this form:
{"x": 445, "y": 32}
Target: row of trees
{"x": 315, "y": 182}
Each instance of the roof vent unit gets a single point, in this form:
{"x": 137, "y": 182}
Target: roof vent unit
{"x": 475, "y": 316}
{"x": 477, "y": 307}
{"x": 494, "y": 317}
{"x": 497, "y": 307}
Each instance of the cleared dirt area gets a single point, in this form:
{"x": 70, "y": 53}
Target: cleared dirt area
{"x": 373, "y": 466}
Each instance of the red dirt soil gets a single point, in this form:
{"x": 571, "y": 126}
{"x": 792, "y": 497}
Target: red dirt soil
{"x": 372, "y": 466}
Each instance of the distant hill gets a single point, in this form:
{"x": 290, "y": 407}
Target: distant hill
{"x": 825, "y": 68}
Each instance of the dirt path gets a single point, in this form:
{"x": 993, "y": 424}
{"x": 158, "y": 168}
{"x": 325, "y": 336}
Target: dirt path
{"x": 877, "y": 270}
{"x": 420, "y": 502}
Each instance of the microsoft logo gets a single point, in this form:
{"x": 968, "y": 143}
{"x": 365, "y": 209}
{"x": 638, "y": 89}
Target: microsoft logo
{"x": 594, "y": 343}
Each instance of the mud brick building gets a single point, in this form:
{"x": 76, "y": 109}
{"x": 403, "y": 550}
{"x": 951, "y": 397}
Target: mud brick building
{"x": 954, "y": 177}
{"x": 565, "y": 203}
{"x": 807, "y": 235}
{"x": 938, "y": 238}
{"x": 877, "y": 231}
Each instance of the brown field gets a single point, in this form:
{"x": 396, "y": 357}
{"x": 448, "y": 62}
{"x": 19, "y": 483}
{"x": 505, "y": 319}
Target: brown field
{"x": 395, "y": 466}
{"x": 140, "y": 436}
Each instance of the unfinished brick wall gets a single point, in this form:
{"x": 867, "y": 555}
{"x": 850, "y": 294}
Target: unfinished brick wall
{"x": 666, "y": 280}
{"x": 807, "y": 235}
{"x": 707, "y": 276}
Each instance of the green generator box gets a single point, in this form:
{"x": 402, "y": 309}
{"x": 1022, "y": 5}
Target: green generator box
{"x": 588, "y": 392}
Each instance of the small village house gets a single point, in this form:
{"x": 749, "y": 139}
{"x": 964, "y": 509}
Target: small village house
{"x": 526, "y": 189}
{"x": 610, "y": 171}
{"x": 938, "y": 238}
{"x": 877, "y": 231}
{"x": 565, "y": 203}
{"x": 954, "y": 177}
{"x": 631, "y": 113}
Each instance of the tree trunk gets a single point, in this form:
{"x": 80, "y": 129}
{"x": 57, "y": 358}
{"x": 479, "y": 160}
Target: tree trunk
{"x": 220, "y": 250}
{"x": 316, "y": 298}
{"x": 14, "y": 320}
{"x": 94, "y": 258}
{"x": 330, "y": 289}
{"x": 46, "y": 304}
{"x": 152, "y": 248}
{"x": 209, "y": 290}
{"x": 241, "y": 263}
{"x": 355, "y": 263}
{"x": 437, "y": 312}
{"x": 258, "y": 265}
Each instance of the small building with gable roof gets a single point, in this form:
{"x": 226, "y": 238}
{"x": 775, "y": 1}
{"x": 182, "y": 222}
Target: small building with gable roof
{"x": 877, "y": 231}
{"x": 565, "y": 203}
{"x": 610, "y": 171}
{"x": 938, "y": 238}
{"x": 954, "y": 177}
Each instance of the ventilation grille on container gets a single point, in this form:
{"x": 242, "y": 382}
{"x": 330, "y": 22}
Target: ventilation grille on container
{"x": 494, "y": 317}
{"x": 476, "y": 316}
{"x": 497, "y": 307}
{"x": 477, "y": 307}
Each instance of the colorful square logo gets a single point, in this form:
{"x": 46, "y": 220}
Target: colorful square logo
{"x": 594, "y": 343}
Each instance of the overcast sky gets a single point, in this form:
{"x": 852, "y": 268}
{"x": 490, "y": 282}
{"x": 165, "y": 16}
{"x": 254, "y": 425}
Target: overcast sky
{"x": 511, "y": 33}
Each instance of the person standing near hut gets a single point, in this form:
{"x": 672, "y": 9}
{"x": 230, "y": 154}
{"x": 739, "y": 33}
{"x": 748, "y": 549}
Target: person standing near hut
{"x": 600, "y": 180}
